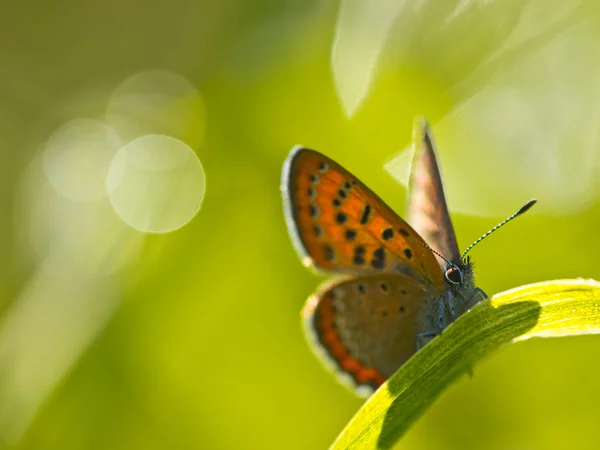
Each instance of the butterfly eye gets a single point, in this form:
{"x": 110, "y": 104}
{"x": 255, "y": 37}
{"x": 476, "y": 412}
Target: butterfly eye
{"x": 453, "y": 275}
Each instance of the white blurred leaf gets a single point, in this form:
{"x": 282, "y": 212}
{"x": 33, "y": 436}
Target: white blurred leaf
{"x": 530, "y": 130}
{"x": 362, "y": 30}
{"x": 524, "y": 79}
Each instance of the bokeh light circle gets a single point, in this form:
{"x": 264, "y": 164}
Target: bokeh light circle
{"x": 156, "y": 183}
{"x": 157, "y": 102}
{"x": 77, "y": 158}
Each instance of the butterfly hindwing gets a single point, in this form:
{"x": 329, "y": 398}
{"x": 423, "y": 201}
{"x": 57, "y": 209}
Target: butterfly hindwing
{"x": 427, "y": 208}
{"x": 339, "y": 225}
{"x": 365, "y": 328}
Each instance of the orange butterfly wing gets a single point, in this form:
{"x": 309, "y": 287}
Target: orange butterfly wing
{"x": 340, "y": 225}
{"x": 365, "y": 328}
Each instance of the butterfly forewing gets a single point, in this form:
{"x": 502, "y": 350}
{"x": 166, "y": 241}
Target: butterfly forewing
{"x": 427, "y": 209}
{"x": 340, "y": 225}
{"x": 365, "y": 327}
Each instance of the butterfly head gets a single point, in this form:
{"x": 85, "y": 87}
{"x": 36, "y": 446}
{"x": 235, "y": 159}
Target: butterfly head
{"x": 455, "y": 274}
{"x": 459, "y": 276}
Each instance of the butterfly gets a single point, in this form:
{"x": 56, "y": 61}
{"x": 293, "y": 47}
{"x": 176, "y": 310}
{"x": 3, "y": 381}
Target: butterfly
{"x": 397, "y": 285}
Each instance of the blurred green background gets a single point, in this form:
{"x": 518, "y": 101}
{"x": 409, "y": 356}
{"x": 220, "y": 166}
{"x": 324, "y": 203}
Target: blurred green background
{"x": 111, "y": 337}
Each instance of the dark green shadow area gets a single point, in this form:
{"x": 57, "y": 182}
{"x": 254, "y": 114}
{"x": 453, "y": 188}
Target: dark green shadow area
{"x": 419, "y": 382}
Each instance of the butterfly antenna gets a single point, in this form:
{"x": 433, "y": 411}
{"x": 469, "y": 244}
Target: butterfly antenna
{"x": 523, "y": 209}
{"x": 429, "y": 248}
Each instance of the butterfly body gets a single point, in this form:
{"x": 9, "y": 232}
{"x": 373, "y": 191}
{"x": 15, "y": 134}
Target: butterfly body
{"x": 394, "y": 292}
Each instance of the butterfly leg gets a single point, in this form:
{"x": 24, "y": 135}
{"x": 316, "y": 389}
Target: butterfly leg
{"x": 481, "y": 293}
{"x": 451, "y": 306}
{"x": 424, "y": 338}
{"x": 478, "y": 296}
{"x": 470, "y": 371}
{"x": 442, "y": 313}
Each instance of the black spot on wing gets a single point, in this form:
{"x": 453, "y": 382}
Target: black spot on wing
{"x": 329, "y": 253}
{"x": 378, "y": 261}
{"x": 359, "y": 255}
{"x": 350, "y": 234}
{"x": 387, "y": 234}
{"x": 364, "y": 218}
{"x": 341, "y": 218}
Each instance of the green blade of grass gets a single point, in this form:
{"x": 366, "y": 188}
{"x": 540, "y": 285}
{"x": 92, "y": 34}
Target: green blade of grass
{"x": 548, "y": 309}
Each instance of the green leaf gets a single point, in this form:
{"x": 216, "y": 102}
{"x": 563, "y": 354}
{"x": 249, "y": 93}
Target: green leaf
{"x": 548, "y": 309}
